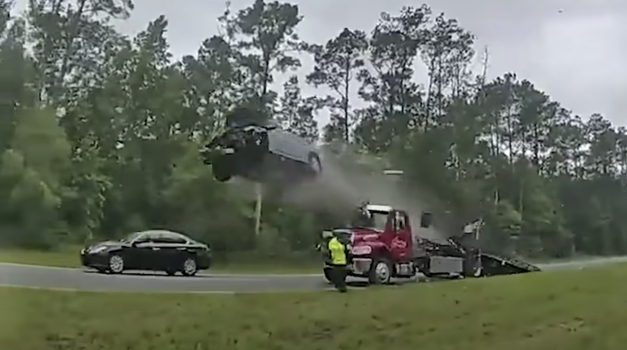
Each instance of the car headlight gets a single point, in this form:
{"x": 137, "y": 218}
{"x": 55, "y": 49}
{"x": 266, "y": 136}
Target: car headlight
{"x": 97, "y": 250}
{"x": 361, "y": 250}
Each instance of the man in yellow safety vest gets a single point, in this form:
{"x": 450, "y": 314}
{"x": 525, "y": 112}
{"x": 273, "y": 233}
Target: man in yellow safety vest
{"x": 337, "y": 262}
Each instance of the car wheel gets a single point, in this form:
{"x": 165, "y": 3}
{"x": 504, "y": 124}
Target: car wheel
{"x": 189, "y": 267}
{"x": 221, "y": 170}
{"x": 314, "y": 163}
{"x": 381, "y": 272}
{"x": 116, "y": 263}
{"x": 206, "y": 155}
{"x": 257, "y": 146}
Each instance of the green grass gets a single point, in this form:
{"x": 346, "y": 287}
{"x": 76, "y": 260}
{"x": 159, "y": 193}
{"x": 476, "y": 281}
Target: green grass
{"x": 62, "y": 257}
{"x": 68, "y": 257}
{"x": 571, "y": 310}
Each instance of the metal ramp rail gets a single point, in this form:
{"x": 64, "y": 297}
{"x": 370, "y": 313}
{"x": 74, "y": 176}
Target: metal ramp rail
{"x": 493, "y": 265}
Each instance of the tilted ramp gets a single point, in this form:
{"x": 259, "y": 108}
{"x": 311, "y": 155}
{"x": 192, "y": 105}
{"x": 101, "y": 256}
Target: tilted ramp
{"x": 494, "y": 265}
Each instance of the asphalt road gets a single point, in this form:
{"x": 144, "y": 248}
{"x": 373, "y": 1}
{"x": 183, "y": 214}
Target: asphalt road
{"x": 78, "y": 279}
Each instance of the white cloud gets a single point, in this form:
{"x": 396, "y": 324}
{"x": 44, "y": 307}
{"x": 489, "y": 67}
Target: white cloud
{"x": 572, "y": 49}
{"x": 584, "y": 64}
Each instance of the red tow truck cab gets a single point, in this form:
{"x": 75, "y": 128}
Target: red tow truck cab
{"x": 386, "y": 247}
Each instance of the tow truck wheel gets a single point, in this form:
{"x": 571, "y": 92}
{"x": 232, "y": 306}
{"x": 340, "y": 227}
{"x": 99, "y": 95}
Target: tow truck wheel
{"x": 381, "y": 271}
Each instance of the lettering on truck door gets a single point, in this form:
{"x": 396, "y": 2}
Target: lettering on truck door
{"x": 400, "y": 244}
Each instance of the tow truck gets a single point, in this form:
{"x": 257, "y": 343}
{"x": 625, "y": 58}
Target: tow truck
{"x": 384, "y": 246}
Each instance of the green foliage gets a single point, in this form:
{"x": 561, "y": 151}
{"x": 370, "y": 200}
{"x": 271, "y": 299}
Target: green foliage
{"x": 99, "y": 132}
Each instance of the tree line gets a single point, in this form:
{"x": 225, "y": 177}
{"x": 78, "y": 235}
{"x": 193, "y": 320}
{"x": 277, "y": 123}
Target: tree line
{"x": 100, "y": 132}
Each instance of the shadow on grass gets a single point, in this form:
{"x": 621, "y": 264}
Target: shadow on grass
{"x": 147, "y": 274}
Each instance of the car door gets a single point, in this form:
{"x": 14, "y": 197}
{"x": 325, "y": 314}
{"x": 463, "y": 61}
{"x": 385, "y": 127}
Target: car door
{"x": 160, "y": 252}
{"x": 172, "y": 247}
{"x": 140, "y": 254}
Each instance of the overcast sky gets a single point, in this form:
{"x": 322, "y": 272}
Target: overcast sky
{"x": 576, "y": 50}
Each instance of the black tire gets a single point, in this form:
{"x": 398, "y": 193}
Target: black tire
{"x": 315, "y": 165}
{"x": 189, "y": 266}
{"x": 262, "y": 144}
{"x": 256, "y": 149}
{"x": 376, "y": 274}
{"x": 207, "y": 157}
{"x": 116, "y": 263}
{"x": 222, "y": 170}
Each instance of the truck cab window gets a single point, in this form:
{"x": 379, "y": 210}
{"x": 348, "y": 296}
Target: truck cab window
{"x": 371, "y": 219}
{"x": 399, "y": 220}
{"x": 379, "y": 220}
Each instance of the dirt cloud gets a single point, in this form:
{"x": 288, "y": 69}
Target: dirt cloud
{"x": 348, "y": 181}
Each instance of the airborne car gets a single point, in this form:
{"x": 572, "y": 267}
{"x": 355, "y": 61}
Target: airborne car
{"x": 154, "y": 250}
{"x": 260, "y": 151}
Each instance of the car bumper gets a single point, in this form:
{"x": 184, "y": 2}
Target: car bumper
{"x": 358, "y": 266}
{"x": 93, "y": 260}
{"x": 211, "y": 155}
{"x": 203, "y": 262}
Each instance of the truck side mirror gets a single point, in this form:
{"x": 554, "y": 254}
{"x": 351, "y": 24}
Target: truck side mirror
{"x": 426, "y": 219}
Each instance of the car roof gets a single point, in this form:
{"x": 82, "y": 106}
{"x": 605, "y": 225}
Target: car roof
{"x": 163, "y": 232}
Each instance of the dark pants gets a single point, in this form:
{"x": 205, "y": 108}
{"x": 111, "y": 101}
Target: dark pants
{"x": 337, "y": 274}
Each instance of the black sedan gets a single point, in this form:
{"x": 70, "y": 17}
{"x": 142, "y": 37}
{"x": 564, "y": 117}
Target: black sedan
{"x": 154, "y": 250}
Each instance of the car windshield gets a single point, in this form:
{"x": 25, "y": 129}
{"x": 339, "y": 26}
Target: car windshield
{"x": 131, "y": 237}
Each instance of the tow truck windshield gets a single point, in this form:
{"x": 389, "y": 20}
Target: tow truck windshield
{"x": 369, "y": 218}
{"x": 378, "y": 220}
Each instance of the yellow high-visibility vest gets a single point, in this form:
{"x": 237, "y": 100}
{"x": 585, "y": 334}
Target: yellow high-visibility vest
{"x": 337, "y": 251}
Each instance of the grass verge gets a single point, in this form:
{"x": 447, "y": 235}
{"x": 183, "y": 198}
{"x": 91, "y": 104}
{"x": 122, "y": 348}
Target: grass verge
{"x": 570, "y": 310}
{"x": 68, "y": 257}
